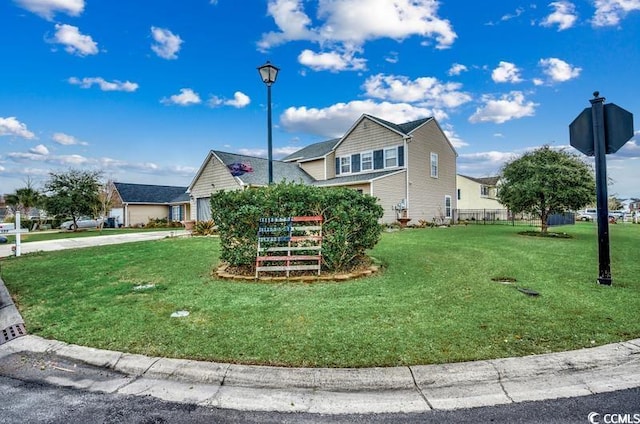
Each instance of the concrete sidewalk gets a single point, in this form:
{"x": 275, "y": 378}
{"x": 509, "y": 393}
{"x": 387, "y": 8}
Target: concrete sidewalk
{"x": 80, "y": 242}
{"x": 313, "y": 390}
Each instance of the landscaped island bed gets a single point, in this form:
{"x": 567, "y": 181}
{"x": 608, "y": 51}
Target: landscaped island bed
{"x": 442, "y": 295}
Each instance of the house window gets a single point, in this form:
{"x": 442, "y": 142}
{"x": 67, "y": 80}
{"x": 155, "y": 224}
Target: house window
{"x": 366, "y": 160}
{"x": 447, "y": 206}
{"x": 345, "y": 164}
{"x": 434, "y": 165}
{"x": 176, "y": 213}
{"x": 458, "y": 194}
{"x": 391, "y": 157}
{"x": 203, "y": 209}
{"x": 484, "y": 191}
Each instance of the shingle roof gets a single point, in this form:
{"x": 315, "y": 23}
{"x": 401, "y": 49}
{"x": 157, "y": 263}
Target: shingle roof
{"x": 148, "y": 193}
{"x": 489, "y": 181}
{"x": 318, "y": 150}
{"x": 313, "y": 151}
{"x": 404, "y": 128}
{"x": 282, "y": 171}
{"x": 356, "y": 178}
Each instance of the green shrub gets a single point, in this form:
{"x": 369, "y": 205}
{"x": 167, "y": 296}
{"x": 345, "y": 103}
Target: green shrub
{"x": 161, "y": 223}
{"x": 350, "y": 220}
{"x": 204, "y": 228}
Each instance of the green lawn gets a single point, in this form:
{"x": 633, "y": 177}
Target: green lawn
{"x": 434, "y": 301}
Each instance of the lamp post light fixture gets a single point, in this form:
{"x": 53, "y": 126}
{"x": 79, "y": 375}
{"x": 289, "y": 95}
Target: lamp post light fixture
{"x": 269, "y": 73}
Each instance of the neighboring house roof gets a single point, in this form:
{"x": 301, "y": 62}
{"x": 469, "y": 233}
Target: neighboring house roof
{"x": 259, "y": 174}
{"x": 356, "y": 178}
{"x": 151, "y": 194}
{"x": 313, "y": 151}
{"x": 488, "y": 181}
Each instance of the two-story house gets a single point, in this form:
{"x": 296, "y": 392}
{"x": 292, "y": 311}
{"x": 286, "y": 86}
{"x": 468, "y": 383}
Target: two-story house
{"x": 410, "y": 168}
{"x": 478, "y": 193}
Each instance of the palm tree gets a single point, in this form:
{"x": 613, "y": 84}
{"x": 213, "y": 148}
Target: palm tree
{"x": 24, "y": 199}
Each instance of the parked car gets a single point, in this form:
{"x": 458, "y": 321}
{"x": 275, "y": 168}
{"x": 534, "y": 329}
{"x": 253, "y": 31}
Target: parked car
{"x": 585, "y": 216}
{"x": 82, "y": 222}
{"x": 591, "y": 214}
{"x": 617, "y": 214}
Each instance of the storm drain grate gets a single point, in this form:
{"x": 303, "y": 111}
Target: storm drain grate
{"x": 12, "y": 332}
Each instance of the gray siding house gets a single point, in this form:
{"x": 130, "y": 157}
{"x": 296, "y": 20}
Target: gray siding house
{"x": 410, "y": 168}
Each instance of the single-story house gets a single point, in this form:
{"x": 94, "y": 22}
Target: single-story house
{"x": 136, "y": 204}
{"x": 409, "y": 167}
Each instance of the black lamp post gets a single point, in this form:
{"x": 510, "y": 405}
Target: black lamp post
{"x": 269, "y": 73}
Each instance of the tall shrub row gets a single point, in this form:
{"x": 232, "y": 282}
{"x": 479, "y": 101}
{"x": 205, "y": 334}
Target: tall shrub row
{"x": 350, "y": 220}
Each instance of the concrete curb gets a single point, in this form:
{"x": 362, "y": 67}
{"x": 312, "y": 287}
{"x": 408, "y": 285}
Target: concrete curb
{"x": 350, "y": 391}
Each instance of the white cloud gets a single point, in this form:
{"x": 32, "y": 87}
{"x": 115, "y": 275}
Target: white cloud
{"x": 564, "y": 15}
{"x": 610, "y": 12}
{"x": 353, "y": 22}
{"x": 631, "y": 149}
{"x": 239, "y": 100}
{"x": 453, "y": 137}
{"x": 427, "y": 91}
{"x": 48, "y": 8}
{"x": 483, "y": 164}
{"x": 506, "y": 72}
{"x": 334, "y": 120}
{"x": 74, "y": 42}
{"x": 509, "y": 106}
{"x": 392, "y": 57}
{"x": 167, "y": 43}
{"x": 67, "y": 140}
{"x": 331, "y": 61}
{"x": 519, "y": 11}
{"x": 507, "y": 17}
{"x": 104, "y": 84}
{"x": 11, "y": 126}
{"x": 186, "y": 97}
{"x": 278, "y": 152}
{"x": 290, "y": 18}
{"x": 40, "y": 149}
{"x": 558, "y": 70}
{"x": 457, "y": 69}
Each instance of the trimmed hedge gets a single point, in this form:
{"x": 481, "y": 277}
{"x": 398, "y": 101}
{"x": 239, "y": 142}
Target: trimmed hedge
{"x": 350, "y": 220}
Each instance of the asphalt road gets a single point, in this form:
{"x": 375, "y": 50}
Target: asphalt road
{"x": 37, "y": 402}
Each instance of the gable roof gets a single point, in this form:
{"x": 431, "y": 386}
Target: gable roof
{"x": 259, "y": 176}
{"x": 313, "y": 151}
{"x": 489, "y": 181}
{"x": 321, "y": 149}
{"x": 405, "y": 129}
{"x": 148, "y": 193}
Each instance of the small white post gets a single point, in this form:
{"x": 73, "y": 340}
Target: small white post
{"x": 18, "y": 249}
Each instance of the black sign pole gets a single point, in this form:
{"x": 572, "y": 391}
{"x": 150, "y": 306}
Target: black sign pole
{"x": 597, "y": 112}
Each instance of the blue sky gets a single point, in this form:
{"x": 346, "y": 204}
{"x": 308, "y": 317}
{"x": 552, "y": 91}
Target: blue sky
{"x": 143, "y": 90}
